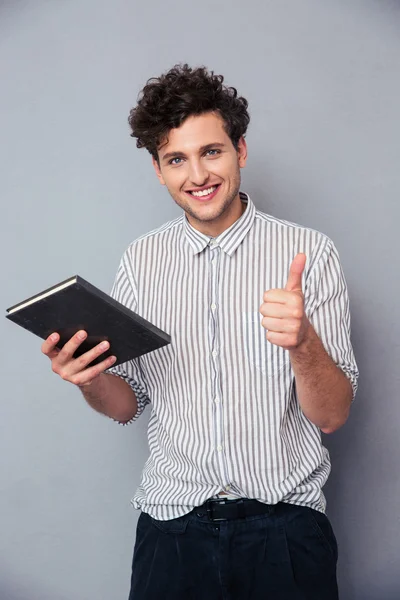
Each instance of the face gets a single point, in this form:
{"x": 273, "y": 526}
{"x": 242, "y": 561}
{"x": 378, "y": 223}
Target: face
{"x": 201, "y": 169}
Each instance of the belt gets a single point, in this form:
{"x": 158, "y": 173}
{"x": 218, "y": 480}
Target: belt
{"x": 226, "y": 510}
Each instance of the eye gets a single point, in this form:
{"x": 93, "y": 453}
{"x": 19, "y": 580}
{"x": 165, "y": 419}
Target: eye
{"x": 172, "y": 161}
{"x": 214, "y": 152}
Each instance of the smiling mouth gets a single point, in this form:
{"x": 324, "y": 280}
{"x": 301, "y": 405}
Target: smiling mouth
{"x": 204, "y": 194}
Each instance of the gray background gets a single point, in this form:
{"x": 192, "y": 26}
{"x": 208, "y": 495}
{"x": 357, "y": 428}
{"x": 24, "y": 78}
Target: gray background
{"x": 322, "y": 79}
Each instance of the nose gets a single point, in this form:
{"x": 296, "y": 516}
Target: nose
{"x": 198, "y": 174}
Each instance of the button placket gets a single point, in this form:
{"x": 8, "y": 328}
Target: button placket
{"x": 216, "y": 392}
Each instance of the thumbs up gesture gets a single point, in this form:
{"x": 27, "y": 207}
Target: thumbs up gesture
{"x": 283, "y": 310}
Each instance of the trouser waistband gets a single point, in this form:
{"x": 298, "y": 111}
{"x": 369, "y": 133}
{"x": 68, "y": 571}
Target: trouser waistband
{"x": 225, "y": 510}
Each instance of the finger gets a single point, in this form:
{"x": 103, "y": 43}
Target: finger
{"x": 48, "y": 347}
{"x": 295, "y": 273}
{"x": 279, "y": 311}
{"x": 68, "y": 350}
{"x": 81, "y": 362}
{"x": 280, "y": 297}
{"x": 281, "y": 325}
{"x": 84, "y": 378}
{"x": 53, "y": 353}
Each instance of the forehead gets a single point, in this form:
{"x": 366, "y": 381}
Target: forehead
{"x": 196, "y": 131}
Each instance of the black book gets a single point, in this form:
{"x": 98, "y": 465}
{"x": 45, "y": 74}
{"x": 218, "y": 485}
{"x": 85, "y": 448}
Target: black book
{"x": 76, "y": 304}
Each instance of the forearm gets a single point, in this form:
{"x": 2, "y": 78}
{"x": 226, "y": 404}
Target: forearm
{"x": 323, "y": 390}
{"x": 111, "y": 396}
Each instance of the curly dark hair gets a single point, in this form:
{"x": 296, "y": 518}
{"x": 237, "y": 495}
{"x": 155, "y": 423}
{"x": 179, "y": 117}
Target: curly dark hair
{"x": 167, "y": 101}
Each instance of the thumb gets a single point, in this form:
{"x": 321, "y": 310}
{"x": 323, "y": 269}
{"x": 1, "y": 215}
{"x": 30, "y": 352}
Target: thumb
{"x": 296, "y": 271}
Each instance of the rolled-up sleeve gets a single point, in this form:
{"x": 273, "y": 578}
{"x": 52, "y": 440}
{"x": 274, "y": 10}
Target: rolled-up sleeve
{"x": 124, "y": 290}
{"x": 328, "y": 311}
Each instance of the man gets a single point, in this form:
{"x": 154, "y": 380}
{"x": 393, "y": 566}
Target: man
{"x": 260, "y": 363}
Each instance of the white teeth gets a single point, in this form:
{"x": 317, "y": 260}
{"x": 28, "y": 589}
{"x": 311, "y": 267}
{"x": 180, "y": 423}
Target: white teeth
{"x": 204, "y": 192}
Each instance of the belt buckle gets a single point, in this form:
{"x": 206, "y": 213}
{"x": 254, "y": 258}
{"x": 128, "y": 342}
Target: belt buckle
{"x": 210, "y": 503}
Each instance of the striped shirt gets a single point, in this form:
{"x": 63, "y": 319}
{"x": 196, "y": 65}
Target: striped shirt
{"x": 224, "y": 411}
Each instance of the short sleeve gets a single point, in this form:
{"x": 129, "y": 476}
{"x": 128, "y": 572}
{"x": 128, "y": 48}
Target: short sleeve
{"x": 327, "y": 307}
{"x": 124, "y": 290}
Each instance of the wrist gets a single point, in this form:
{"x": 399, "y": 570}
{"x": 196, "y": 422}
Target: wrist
{"x": 91, "y": 385}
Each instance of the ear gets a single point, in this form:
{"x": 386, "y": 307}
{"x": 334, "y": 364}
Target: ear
{"x": 242, "y": 152}
{"x": 158, "y": 171}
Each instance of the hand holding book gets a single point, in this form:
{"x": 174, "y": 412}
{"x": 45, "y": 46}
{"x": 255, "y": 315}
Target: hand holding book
{"x": 75, "y": 306}
{"x": 86, "y": 332}
{"x": 75, "y": 370}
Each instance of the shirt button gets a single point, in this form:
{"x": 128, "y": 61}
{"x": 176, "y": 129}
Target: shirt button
{"x": 214, "y": 353}
{"x": 217, "y": 401}
{"x": 219, "y": 448}
{"x": 213, "y": 306}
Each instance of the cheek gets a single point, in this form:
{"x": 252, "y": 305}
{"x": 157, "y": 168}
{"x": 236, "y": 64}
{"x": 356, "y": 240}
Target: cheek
{"x": 218, "y": 171}
{"x": 229, "y": 168}
{"x": 175, "y": 180}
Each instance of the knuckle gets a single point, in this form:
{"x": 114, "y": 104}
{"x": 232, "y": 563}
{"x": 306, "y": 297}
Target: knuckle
{"x": 294, "y": 327}
{"x": 81, "y": 361}
{"x": 298, "y": 313}
{"x": 296, "y": 301}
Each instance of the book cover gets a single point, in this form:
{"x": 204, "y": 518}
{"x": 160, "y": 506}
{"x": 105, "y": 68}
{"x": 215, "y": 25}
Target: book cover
{"x": 76, "y": 304}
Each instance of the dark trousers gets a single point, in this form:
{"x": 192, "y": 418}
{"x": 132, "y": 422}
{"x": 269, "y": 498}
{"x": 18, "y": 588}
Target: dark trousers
{"x": 289, "y": 553}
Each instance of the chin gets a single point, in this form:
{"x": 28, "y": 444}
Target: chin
{"x": 208, "y": 215}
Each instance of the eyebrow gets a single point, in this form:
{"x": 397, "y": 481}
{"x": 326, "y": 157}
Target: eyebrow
{"x": 201, "y": 149}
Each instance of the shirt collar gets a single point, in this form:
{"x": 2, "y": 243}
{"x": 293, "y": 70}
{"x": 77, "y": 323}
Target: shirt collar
{"x": 230, "y": 239}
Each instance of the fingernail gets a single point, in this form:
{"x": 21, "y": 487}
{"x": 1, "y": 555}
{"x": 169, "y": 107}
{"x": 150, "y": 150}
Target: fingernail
{"x": 53, "y": 337}
{"x": 81, "y": 335}
{"x": 104, "y": 345}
